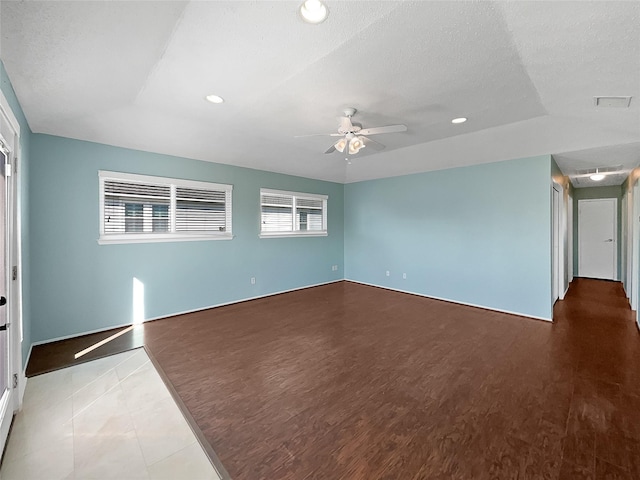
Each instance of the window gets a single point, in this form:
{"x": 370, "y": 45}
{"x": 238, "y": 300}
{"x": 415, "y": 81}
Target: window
{"x": 292, "y": 214}
{"x": 139, "y": 208}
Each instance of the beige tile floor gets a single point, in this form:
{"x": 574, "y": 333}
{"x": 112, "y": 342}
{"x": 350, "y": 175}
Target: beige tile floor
{"x": 111, "y": 418}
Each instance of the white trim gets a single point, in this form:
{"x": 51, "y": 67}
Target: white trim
{"x": 22, "y": 386}
{"x": 6, "y": 410}
{"x": 570, "y": 238}
{"x": 180, "y": 182}
{"x": 557, "y": 277}
{"x": 634, "y": 227}
{"x": 74, "y": 335}
{"x": 8, "y": 112}
{"x": 13, "y": 239}
{"x": 151, "y": 238}
{"x": 294, "y": 197}
{"x": 307, "y": 233}
{"x": 169, "y": 315}
{"x": 24, "y": 367}
{"x": 284, "y": 193}
{"x": 484, "y": 307}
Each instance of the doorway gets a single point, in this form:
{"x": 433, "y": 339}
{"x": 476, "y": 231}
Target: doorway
{"x": 6, "y": 397}
{"x": 597, "y": 238}
{"x": 556, "y": 261}
{"x": 11, "y": 378}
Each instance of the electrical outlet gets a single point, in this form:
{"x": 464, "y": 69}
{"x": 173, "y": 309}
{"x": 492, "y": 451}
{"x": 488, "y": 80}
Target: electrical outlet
{"x": 334, "y": 268}
{"x": 404, "y": 276}
{"x": 253, "y": 280}
{"x": 388, "y": 273}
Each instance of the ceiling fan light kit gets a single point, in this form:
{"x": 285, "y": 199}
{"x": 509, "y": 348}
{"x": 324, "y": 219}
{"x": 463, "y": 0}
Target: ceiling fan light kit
{"x": 341, "y": 144}
{"x": 353, "y": 135}
{"x": 355, "y": 145}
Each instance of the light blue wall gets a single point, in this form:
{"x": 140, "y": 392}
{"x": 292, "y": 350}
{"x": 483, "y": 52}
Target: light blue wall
{"x": 80, "y": 286}
{"x": 478, "y": 235}
{"x": 23, "y": 199}
{"x": 595, "y": 193}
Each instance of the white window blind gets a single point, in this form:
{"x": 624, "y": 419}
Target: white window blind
{"x": 292, "y": 214}
{"x": 139, "y": 208}
{"x": 199, "y": 210}
{"x": 135, "y": 207}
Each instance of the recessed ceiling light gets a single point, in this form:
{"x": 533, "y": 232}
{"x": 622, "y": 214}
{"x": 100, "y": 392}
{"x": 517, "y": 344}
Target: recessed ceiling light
{"x": 314, "y": 11}
{"x": 214, "y": 99}
{"x": 596, "y": 177}
{"x": 459, "y": 120}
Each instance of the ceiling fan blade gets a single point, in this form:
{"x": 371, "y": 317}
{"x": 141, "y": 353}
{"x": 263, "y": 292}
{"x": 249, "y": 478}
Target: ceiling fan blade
{"x": 371, "y": 143}
{"x": 331, "y": 149}
{"x": 345, "y": 124}
{"x": 319, "y": 135}
{"x": 387, "y": 129}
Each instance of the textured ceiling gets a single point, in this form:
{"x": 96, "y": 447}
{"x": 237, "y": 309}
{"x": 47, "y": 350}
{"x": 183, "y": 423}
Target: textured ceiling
{"x": 134, "y": 74}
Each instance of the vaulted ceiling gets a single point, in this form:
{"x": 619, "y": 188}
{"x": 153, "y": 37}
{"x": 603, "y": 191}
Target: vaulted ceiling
{"x": 135, "y": 74}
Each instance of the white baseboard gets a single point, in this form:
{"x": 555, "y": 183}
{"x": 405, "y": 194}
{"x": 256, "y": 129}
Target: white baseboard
{"x": 74, "y": 335}
{"x": 484, "y": 307}
{"x": 22, "y": 385}
{"x": 243, "y": 300}
{"x": 66, "y": 337}
{"x": 26, "y": 362}
{"x": 22, "y": 380}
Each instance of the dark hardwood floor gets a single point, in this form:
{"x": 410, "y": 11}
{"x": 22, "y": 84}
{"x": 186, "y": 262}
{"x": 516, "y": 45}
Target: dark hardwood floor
{"x": 346, "y": 381}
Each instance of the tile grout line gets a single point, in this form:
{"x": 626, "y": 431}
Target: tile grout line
{"x": 107, "y": 391}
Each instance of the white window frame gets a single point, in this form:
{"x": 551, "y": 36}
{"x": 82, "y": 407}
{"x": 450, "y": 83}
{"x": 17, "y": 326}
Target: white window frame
{"x": 171, "y": 236}
{"x": 293, "y": 232}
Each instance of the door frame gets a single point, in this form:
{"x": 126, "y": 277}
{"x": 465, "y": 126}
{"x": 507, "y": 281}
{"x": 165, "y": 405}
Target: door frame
{"x": 558, "y": 226}
{"x": 569, "y": 222}
{"x": 628, "y": 255}
{"x": 634, "y": 227}
{"x": 624, "y": 225}
{"x": 615, "y": 233}
{"x": 14, "y": 259}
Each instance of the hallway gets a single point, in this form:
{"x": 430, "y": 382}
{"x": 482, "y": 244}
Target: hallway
{"x": 596, "y": 329}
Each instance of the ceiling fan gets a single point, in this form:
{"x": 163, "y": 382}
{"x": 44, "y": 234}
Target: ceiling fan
{"x": 354, "y": 136}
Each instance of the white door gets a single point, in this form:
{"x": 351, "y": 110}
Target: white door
{"x": 6, "y": 388}
{"x": 570, "y": 239}
{"x": 597, "y": 226}
{"x": 555, "y": 254}
{"x": 10, "y": 361}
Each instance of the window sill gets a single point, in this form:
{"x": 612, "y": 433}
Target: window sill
{"x": 159, "y": 239}
{"x": 292, "y": 234}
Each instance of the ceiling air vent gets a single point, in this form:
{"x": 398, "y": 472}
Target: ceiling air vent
{"x": 612, "y": 102}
